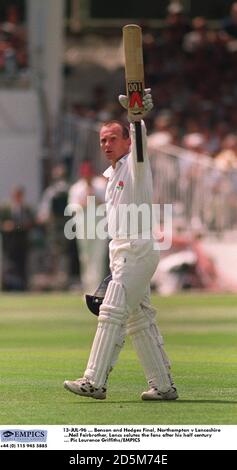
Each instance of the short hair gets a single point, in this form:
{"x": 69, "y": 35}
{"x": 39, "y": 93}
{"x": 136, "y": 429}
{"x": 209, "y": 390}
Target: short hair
{"x": 124, "y": 127}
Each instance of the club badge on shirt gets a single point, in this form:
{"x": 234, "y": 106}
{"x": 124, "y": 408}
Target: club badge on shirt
{"x": 120, "y": 185}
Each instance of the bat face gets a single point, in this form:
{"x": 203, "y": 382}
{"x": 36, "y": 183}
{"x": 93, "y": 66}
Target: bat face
{"x": 134, "y": 69}
{"x": 134, "y": 74}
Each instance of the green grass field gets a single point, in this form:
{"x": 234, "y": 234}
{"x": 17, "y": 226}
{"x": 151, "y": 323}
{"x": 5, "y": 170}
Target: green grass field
{"x": 46, "y": 338}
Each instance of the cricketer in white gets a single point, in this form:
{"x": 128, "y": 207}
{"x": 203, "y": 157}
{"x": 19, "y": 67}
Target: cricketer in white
{"x": 126, "y": 307}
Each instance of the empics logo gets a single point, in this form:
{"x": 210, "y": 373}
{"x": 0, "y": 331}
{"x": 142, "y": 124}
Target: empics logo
{"x": 7, "y": 434}
{"x": 23, "y": 435}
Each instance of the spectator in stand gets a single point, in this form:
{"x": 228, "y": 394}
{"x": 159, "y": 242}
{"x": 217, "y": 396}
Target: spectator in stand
{"x": 229, "y": 24}
{"x": 162, "y": 134}
{"x": 51, "y": 217}
{"x": 16, "y": 222}
{"x": 92, "y": 251}
{"x": 13, "y": 45}
{"x": 226, "y": 159}
{"x": 197, "y": 38}
{"x": 176, "y": 23}
{"x": 194, "y": 142}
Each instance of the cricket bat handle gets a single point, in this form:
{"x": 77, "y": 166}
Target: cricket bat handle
{"x": 138, "y": 134}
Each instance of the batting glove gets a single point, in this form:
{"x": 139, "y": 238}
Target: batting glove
{"x": 146, "y": 102}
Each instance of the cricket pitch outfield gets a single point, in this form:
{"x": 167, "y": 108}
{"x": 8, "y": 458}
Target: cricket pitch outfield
{"x": 46, "y": 338}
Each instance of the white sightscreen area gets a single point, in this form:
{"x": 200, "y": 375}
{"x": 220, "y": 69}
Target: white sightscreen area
{"x": 20, "y": 132}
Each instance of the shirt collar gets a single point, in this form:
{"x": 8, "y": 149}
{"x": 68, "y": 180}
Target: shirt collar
{"x": 109, "y": 171}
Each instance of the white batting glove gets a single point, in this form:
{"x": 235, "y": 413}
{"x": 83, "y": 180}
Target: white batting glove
{"x": 147, "y": 105}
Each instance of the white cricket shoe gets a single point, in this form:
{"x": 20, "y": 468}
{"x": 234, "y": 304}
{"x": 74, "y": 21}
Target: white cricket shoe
{"x": 154, "y": 394}
{"x": 84, "y": 388}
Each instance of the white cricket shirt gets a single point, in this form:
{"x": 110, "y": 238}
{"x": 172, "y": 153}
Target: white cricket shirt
{"x": 129, "y": 194}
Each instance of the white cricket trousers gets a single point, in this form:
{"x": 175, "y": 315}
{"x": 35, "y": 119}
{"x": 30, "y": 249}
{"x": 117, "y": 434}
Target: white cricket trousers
{"x": 125, "y": 310}
{"x": 132, "y": 264}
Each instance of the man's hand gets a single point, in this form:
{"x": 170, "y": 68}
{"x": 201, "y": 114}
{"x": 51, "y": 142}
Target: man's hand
{"x": 147, "y": 105}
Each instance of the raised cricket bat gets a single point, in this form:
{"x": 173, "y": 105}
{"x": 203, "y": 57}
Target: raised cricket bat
{"x": 134, "y": 76}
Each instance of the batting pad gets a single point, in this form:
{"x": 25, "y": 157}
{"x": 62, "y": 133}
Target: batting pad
{"x": 109, "y": 336}
{"x": 150, "y": 313}
{"x": 147, "y": 343}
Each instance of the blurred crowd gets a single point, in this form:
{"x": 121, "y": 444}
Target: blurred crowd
{"x": 37, "y": 253}
{"x": 191, "y": 67}
{"x": 13, "y": 46}
{"x": 192, "y": 70}
{"x": 44, "y": 248}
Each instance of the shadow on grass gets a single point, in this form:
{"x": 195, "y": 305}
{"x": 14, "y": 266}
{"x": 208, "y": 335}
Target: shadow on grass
{"x": 227, "y": 402}
{"x": 135, "y": 402}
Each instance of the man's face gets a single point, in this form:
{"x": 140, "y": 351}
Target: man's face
{"x": 113, "y": 144}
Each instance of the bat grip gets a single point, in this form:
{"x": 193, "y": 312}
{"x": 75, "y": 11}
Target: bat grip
{"x": 138, "y": 133}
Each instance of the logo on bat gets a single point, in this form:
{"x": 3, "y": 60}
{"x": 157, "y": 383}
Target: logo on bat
{"x": 135, "y": 94}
